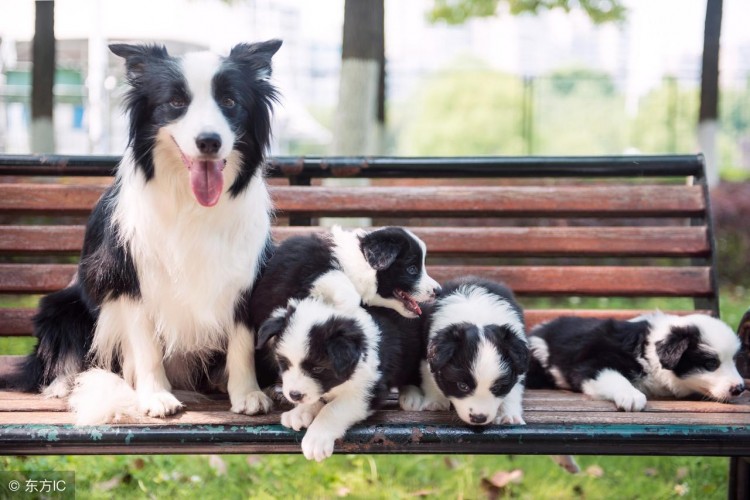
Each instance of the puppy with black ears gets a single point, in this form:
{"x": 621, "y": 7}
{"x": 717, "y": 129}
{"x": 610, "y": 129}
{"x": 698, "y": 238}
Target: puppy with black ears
{"x": 476, "y": 355}
{"x": 625, "y": 361}
{"x": 383, "y": 268}
{"x": 337, "y": 366}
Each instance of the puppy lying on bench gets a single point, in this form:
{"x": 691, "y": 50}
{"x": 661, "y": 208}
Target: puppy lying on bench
{"x": 626, "y": 361}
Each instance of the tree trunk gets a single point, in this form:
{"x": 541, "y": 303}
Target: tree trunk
{"x": 43, "y": 78}
{"x": 709, "y": 105}
{"x": 360, "y": 75}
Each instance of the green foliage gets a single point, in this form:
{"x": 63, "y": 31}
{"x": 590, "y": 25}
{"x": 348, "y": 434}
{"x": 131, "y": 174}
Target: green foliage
{"x": 459, "y": 11}
{"x": 474, "y": 112}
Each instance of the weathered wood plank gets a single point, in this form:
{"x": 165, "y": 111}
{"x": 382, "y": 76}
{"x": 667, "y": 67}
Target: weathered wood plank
{"x": 496, "y": 241}
{"x": 529, "y": 280}
{"x": 556, "y": 201}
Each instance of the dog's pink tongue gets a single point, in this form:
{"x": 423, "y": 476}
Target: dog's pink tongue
{"x": 207, "y": 181}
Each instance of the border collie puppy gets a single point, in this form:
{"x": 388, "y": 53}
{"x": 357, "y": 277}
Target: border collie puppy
{"x": 476, "y": 355}
{"x": 626, "y": 361}
{"x": 337, "y": 366}
{"x": 384, "y": 268}
{"x": 174, "y": 246}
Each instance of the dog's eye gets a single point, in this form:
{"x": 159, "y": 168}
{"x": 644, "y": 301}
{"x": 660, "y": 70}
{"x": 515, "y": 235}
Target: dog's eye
{"x": 463, "y": 387}
{"x": 227, "y": 102}
{"x": 711, "y": 365}
{"x": 412, "y": 270}
{"x": 178, "y": 102}
{"x": 318, "y": 369}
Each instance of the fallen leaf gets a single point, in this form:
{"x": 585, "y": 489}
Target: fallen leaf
{"x": 567, "y": 462}
{"x": 503, "y": 478}
{"x": 651, "y": 472}
{"x": 423, "y": 493}
{"x": 139, "y": 464}
{"x": 450, "y": 462}
{"x": 343, "y": 491}
{"x": 111, "y": 484}
{"x": 682, "y": 473}
{"x": 217, "y": 464}
{"x": 594, "y": 471}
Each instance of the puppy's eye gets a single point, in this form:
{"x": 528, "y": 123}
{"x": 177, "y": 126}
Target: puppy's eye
{"x": 711, "y": 365}
{"x": 178, "y": 102}
{"x": 463, "y": 387}
{"x": 227, "y": 102}
{"x": 318, "y": 369}
{"x": 412, "y": 270}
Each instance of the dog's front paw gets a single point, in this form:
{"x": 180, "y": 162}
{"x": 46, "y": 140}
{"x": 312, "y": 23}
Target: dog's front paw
{"x": 159, "y": 404}
{"x": 510, "y": 418}
{"x": 411, "y": 398}
{"x": 251, "y": 403}
{"x": 633, "y": 400}
{"x": 442, "y": 404}
{"x": 317, "y": 445}
{"x": 298, "y": 418}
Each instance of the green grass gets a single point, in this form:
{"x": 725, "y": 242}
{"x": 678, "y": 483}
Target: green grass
{"x": 374, "y": 476}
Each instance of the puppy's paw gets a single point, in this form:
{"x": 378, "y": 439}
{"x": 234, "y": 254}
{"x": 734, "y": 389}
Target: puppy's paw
{"x": 298, "y": 418}
{"x": 442, "y": 404}
{"x": 632, "y": 400}
{"x": 59, "y": 388}
{"x": 510, "y": 418}
{"x": 317, "y": 445}
{"x": 251, "y": 403}
{"x": 411, "y": 398}
{"x": 159, "y": 404}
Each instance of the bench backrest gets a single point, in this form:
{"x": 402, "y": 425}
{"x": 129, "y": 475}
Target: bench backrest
{"x": 599, "y": 236}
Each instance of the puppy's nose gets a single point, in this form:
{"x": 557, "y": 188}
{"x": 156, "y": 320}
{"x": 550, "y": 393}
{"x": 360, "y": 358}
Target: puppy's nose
{"x": 437, "y": 291}
{"x": 737, "y": 389}
{"x": 296, "y": 395}
{"x": 208, "y": 143}
{"x": 477, "y": 418}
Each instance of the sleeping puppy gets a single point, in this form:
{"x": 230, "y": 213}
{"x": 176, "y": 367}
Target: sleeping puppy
{"x": 476, "y": 355}
{"x": 626, "y": 361}
{"x": 337, "y": 366}
{"x": 384, "y": 268}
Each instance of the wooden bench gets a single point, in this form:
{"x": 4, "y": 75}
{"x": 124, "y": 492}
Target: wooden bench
{"x": 598, "y": 236}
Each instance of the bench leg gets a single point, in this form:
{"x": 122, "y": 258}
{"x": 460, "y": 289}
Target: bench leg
{"x": 739, "y": 478}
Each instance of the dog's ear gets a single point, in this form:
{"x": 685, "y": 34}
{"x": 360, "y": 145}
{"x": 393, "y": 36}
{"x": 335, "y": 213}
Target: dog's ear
{"x": 444, "y": 344}
{"x": 269, "y": 329}
{"x": 137, "y": 57}
{"x": 344, "y": 347}
{"x": 510, "y": 346}
{"x": 257, "y": 55}
{"x": 379, "y": 250}
{"x": 671, "y": 349}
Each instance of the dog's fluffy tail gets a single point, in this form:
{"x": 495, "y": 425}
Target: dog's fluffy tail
{"x": 64, "y": 327}
{"x": 101, "y": 397}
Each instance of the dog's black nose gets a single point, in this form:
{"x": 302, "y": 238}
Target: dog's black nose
{"x": 437, "y": 291}
{"x": 208, "y": 143}
{"x": 477, "y": 419}
{"x": 296, "y": 395}
{"x": 737, "y": 389}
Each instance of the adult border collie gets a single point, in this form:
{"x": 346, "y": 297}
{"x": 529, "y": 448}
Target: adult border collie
{"x": 626, "y": 361}
{"x": 338, "y": 365}
{"x": 476, "y": 354}
{"x": 173, "y": 247}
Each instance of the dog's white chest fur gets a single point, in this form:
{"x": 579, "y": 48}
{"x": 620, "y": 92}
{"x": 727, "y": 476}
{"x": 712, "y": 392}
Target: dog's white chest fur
{"x": 193, "y": 263}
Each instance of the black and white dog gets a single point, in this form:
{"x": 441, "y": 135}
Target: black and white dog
{"x": 625, "y": 361}
{"x": 174, "y": 246}
{"x": 476, "y": 355}
{"x": 384, "y": 268}
{"x": 338, "y": 365}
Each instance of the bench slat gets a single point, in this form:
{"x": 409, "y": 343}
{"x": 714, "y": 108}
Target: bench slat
{"x": 17, "y": 321}
{"x": 501, "y": 241}
{"x": 551, "y": 201}
{"x": 530, "y": 280}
